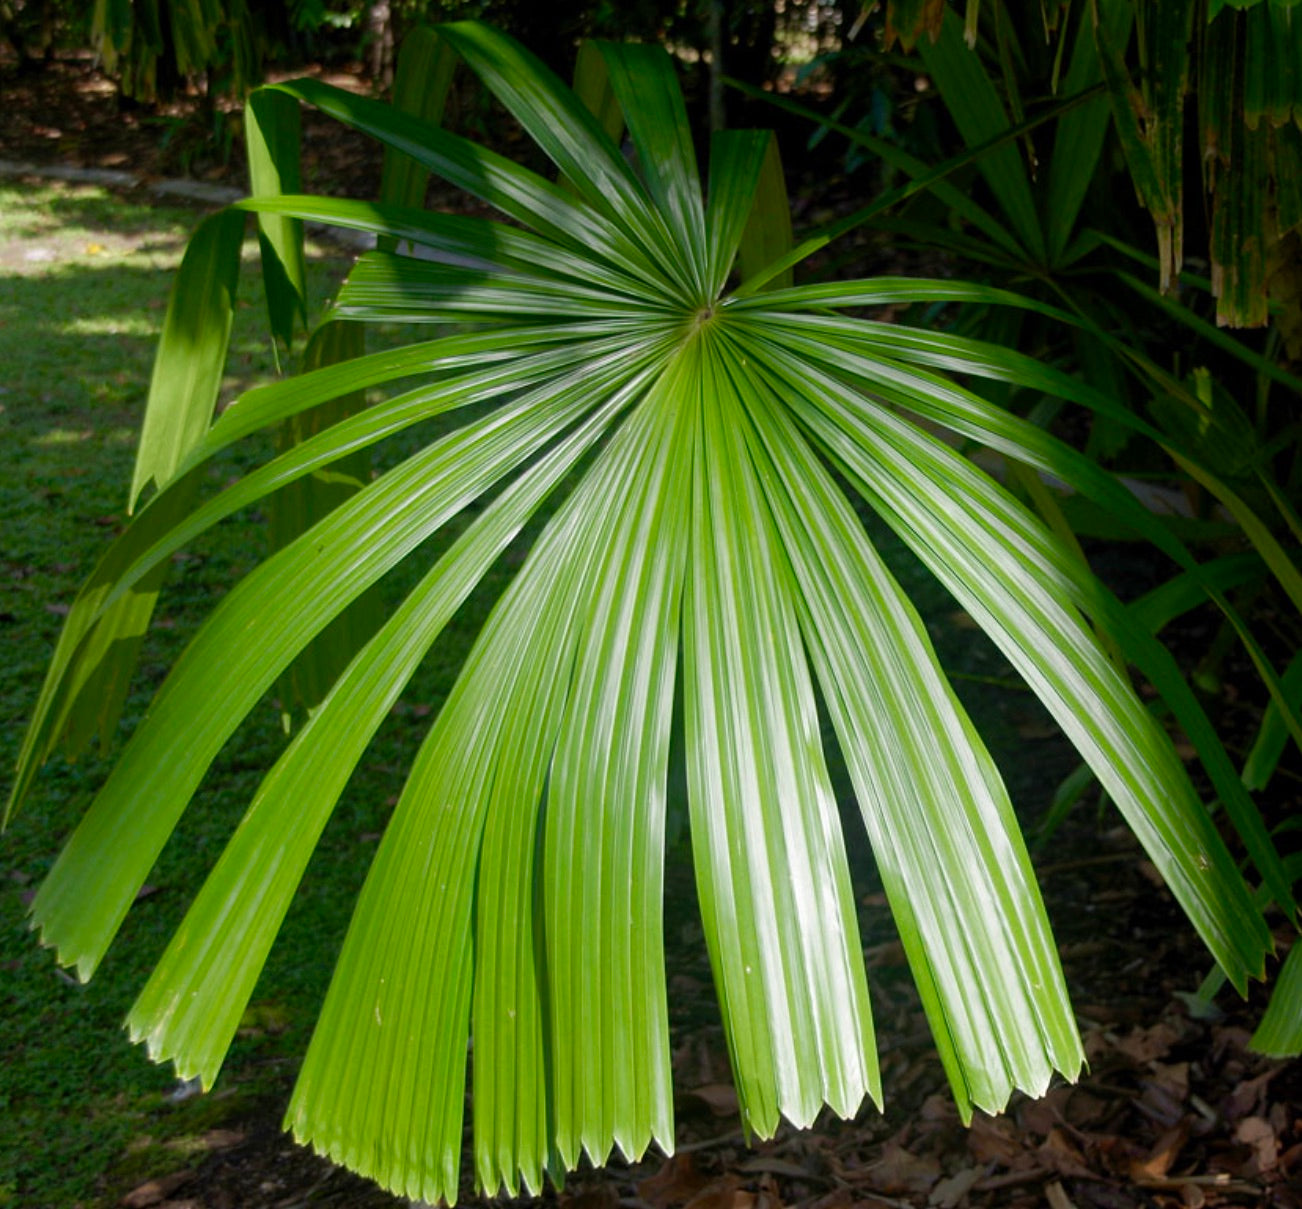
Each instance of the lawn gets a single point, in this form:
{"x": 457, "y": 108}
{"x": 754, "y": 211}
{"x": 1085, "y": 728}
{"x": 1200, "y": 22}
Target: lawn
{"x": 84, "y": 280}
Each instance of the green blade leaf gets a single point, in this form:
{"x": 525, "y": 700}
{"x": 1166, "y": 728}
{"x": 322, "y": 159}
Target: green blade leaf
{"x": 402, "y": 289}
{"x": 967, "y": 530}
{"x": 258, "y": 627}
{"x": 191, "y": 1008}
{"x": 942, "y": 828}
{"x": 298, "y": 506}
{"x": 593, "y": 87}
{"x": 771, "y": 871}
{"x": 644, "y": 83}
{"x": 458, "y": 357}
{"x": 443, "y": 871}
{"x": 767, "y": 237}
{"x": 421, "y": 84}
{"x": 573, "y": 139}
{"x": 525, "y": 196}
{"x": 737, "y": 162}
{"x": 922, "y": 176}
{"x": 1078, "y": 139}
{"x": 1280, "y": 1033}
{"x": 1149, "y": 123}
{"x": 461, "y": 240}
{"x": 965, "y": 413}
{"x": 979, "y": 115}
{"x": 1130, "y": 755}
{"x": 191, "y": 350}
{"x": 1285, "y": 571}
{"x": 892, "y": 291}
{"x": 168, "y": 521}
{"x": 609, "y": 1037}
{"x": 1156, "y": 609}
{"x": 273, "y": 136}
{"x": 1273, "y": 734}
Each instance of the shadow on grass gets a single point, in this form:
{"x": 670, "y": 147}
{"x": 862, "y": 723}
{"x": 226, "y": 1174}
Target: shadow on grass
{"x": 79, "y": 340}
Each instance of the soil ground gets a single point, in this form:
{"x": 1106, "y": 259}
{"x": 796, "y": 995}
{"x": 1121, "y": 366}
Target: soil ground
{"x": 1174, "y": 1111}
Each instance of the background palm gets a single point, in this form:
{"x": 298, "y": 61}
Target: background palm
{"x": 701, "y": 549}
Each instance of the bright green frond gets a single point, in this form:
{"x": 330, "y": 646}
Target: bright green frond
{"x": 942, "y": 828}
{"x": 771, "y": 870}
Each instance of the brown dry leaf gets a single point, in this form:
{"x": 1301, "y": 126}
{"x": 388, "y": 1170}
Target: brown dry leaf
{"x": 900, "y": 1170}
{"x": 720, "y": 1099}
{"x": 763, "y": 1164}
{"x": 938, "y": 1108}
{"x": 1059, "y": 1153}
{"x": 155, "y": 1191}
{"x": 1085, "y": 1110}
{"x": 1291, "y": 1158}
{"x": 1258, "y": 1133}
{"x": 1164, "y": 1096}
{"x": 1229, "y": 1037}
{"x": 1143, "y": 1045}
{"x": 594, "y": 1196}
{"x": 1157, "y": 1163}
{"x": 1114, "y": 1154}
{"x": 1096, "y": 1041}
{"x": 953, "y": 1188}
{"x": 1040, "y": 1116}
{"x": 726, "y": 1193}
{"x": 769, "y": 1197}
{"x": 222, "y": 1139}
{"x": 889, "y": 953}
{"x": 1248, "y": 1097}
{"x": 1173, "y": 1076}
{"x": 838, "y": 1198}
{"x": 1056, "y": 1196}
{"x": 676, "y": 1182}
{"x": 993, "y": 1141}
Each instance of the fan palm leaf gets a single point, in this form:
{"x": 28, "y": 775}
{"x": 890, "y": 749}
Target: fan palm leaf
{"x": 675, "y": 443}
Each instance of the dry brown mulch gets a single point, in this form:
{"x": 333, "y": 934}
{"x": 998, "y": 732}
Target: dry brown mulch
{"x": 69, "y": 113}
{"x": 1174, "y": 1112}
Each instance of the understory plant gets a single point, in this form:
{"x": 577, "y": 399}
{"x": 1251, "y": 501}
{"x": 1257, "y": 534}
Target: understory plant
{"x": 620, "y": 362}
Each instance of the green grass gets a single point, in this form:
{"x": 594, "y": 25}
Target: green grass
{"x": 84, "y": 279}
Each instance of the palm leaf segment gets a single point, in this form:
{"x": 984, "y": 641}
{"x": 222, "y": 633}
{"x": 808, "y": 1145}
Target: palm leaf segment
{"x": 704, "y": 551}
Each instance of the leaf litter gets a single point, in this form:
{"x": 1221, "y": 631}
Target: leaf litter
{"x": 1174, "y": 1112}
